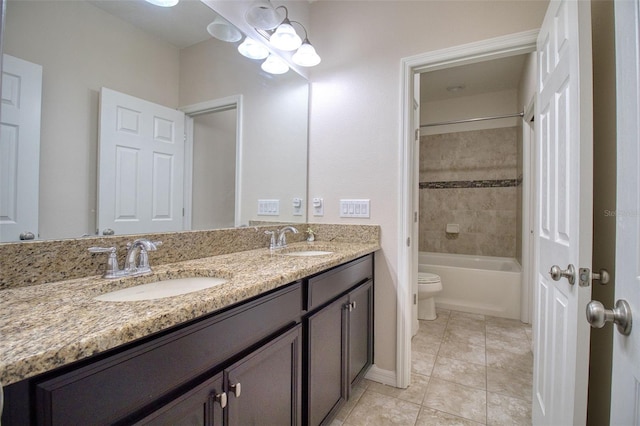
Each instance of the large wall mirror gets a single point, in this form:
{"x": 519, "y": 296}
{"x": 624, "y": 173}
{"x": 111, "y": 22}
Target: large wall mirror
{"x": 250, "y": 127}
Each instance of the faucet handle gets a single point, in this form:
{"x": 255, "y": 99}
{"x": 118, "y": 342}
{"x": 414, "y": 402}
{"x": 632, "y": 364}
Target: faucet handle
{"x": 112, "y": 263}
{"x": 272, "y": 242}
{"x": 102, "y": 249}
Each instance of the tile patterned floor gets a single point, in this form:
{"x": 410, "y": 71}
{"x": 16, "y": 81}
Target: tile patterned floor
{"x": 468, "y": 369}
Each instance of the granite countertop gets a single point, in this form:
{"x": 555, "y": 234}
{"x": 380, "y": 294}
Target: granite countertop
{"x": 49, "y": 325}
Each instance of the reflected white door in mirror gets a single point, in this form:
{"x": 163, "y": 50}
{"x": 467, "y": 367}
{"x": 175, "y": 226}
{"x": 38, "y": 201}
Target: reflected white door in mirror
{"x": 141, "y": 166}
{"x": 19, "y": 149}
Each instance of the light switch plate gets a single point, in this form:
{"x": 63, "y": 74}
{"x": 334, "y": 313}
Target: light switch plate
{"x": 268, "y": 207}
{"x": 297, "y": 206}
{"x": 355, "y": 208}
{"x": 318, "y": 206}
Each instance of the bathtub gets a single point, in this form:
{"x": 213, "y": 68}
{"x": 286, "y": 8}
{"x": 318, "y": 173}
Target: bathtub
{"x": 476, "y": 284}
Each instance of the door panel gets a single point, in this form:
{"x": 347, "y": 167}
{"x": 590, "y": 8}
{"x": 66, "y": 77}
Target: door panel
{"x": 564, "y": 196}
{"x": 141, "y": 165}
{"x": 19, "y": 147}
{"x": 625, "y": 379}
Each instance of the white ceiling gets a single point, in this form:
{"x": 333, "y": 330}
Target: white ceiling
{"x": 481, "y": 77}
{"x": 182, "y": 25}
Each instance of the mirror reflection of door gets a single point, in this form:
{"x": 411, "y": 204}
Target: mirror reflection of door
{"x": 19, "y": 149}
{"x": 140, "y": 166}
{"x": 214, "y": 170}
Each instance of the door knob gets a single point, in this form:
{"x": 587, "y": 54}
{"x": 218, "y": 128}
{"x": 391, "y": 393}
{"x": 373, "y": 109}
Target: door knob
{"x": 569, "y": 273}
{"x": 27, "y": 236}
{"x": 602, "y": 276}
{"x": 597, "y": 315}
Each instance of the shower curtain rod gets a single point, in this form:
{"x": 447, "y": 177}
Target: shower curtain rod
{"x": 470, "y": 120}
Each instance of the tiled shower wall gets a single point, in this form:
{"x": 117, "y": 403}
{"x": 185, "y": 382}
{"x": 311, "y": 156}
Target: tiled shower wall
{"x": 470, "y": 179}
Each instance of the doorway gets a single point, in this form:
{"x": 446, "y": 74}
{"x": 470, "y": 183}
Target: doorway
{"x": 213, "y": 165}
{"x": 517, "y": 44}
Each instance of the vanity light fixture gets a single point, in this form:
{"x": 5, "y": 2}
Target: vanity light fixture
{"x": 285, "y": 37}
{"x": 252, "y": 49}
{"x": 274, "y": 65}
{"x": 163, "y": 3}
{"x": 306, "y": 55}
{"x": 221, "y": 29}
{"x": 262, "y": 15}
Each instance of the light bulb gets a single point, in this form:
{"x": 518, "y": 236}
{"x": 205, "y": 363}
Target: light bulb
{"x": 306, "y": 55}
{"x": 223, "y": 30}
{"x": 285, "y": 37}
{"x": 274, "y": 65}
{"x": 252, "y": 49}
{"x": 262, "y": 15}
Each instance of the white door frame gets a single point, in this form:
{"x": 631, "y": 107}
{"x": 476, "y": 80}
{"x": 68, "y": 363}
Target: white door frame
{"x": 190, "y": 111}
{"x": 495, "y": 48}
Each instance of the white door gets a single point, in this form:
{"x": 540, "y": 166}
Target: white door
{"x": 19, "y": 148}
{"x": 564, "y": 216}
{"x": 141, "y": 166}
{"x": 625, "y": 380}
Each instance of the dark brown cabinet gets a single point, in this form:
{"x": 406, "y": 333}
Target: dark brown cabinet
{"x": 325, "y": 357}
{"x": 264, "y": 387}
{"x": 286, "y": 357}
{"x": 339, "y": 337}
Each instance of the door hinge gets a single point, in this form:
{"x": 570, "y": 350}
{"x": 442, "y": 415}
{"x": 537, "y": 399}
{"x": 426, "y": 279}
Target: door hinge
{"x": 408, "y": 241}
{"x": 415, "y": 217}
{"x": 183, "y": 212}
{"x": 417, "y": 134}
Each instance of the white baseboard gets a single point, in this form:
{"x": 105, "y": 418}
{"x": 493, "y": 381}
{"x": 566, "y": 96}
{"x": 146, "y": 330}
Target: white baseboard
{"x": 377, "y": 374}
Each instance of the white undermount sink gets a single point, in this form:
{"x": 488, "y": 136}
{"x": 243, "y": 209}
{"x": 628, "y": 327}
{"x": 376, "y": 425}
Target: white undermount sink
{"x": 161, "y": 289}
{"x": 306, "y": 253}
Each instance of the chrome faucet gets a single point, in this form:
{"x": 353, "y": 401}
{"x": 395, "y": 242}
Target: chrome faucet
{"x": 131, "y": 269}
{"x": 142, "y": 247}
{"x": 282, "y": 237}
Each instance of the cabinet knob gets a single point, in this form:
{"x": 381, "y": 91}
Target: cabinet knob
{"x": 236, "y": 389}
{"x": 220, "y": 398}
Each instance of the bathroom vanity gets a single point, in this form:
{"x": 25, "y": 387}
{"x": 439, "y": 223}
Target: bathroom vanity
{"x": 287, "y": 353}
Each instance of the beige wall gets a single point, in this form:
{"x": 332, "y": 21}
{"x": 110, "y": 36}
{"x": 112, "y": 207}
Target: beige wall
{"x": 214, "y": 170}
{"x": 483, "y": 105}
{"x": 81, "y": 49}
{"x": 274, "y": 122}
{"x": 355, "y": 124}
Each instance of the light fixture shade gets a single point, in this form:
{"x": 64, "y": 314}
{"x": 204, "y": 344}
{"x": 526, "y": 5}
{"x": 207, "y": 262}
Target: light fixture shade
{"x": 163, "y": 3}
{"x": 306, "y": 55}
{"x": 285, "y": 37}
{"x": 262, "y": 15}
{"x": 274, "y": 65}
{"x": 223, "y": 30}
{"x": 252, "y": 49}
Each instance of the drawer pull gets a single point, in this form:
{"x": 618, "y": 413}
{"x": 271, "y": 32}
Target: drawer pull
{"x": 221, "y": 398}
{"x": 350, "y": 306}
{"x": 236, "y": 389}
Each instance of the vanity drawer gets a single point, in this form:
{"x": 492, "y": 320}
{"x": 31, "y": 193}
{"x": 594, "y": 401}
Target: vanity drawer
{"x": 327, "y": 285}
{"x": 109, "y": 389}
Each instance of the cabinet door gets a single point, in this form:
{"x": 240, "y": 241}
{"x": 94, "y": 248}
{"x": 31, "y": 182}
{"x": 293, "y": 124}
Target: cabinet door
{"x": 325, "y": 355}
{"x": 360, "y": 331}
{"x": 265, "y": 387}
{"x": 202, "y": 406}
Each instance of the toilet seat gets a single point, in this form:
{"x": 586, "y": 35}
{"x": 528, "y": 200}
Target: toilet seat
{"x": 428, "y": 278}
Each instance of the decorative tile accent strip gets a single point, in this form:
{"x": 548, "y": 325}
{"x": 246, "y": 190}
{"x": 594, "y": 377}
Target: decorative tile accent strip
{"x": 457, "y": 184}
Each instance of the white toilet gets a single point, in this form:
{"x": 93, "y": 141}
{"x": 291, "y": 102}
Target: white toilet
{"x": 428, "y": 286}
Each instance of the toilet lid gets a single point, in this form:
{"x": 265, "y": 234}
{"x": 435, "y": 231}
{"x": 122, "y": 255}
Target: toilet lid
{"x": 427, "y": 277}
